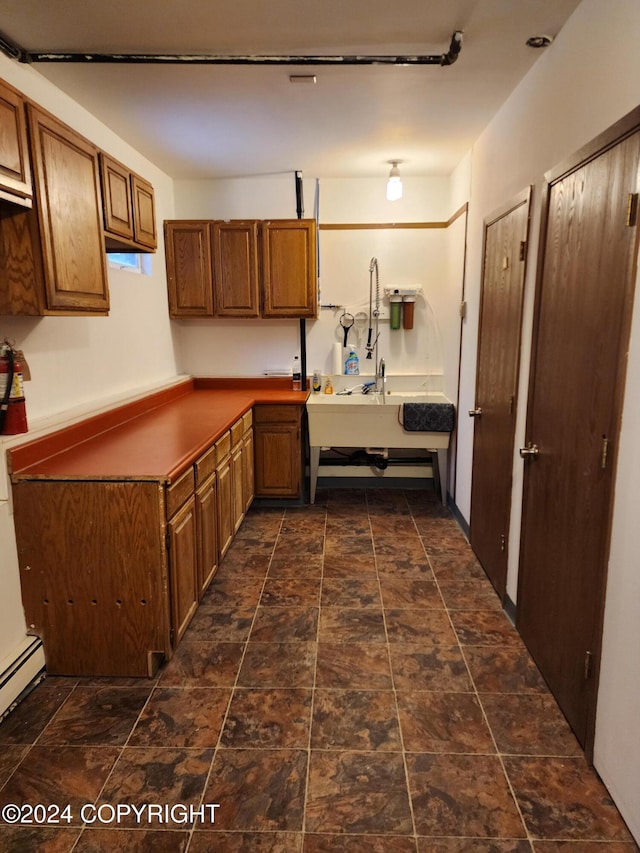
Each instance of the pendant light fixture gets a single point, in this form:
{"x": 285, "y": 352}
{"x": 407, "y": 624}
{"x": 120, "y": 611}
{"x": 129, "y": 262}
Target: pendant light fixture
{"x": 394, "y": 184}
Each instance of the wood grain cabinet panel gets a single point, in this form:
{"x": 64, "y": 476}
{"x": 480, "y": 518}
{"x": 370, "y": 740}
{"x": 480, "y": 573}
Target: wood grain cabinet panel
{"x": 129, "y": 209}
{"x": 15, "y": 169}
{"x": 207, "y": 526}
{"x": 94, "y": 575}
{"x": 235, "y": 259}
{"x": 278, "y": 452}
{"x": 52, "y": 257}
{"x": 289, "y": 273}
{"x": 183, "y": 567}
{"x": 189, "y": 270}
{"x": 225, "y": 496}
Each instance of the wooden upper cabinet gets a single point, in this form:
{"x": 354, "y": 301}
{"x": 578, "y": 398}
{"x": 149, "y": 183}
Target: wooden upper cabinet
{"x": 144, "y": 213}
{"x": 116, "y": 198}
{"x": 189, "y": 271}
{"x": 129, "y": 209}
{"x": 15, "y": 170}
{"x": 53, "y": 255}
{"x": 289, "y": 273}
{"x": 235, "y": 258}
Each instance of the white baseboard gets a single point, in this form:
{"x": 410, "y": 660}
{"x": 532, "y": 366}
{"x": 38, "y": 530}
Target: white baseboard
{"x": 18, "y": 670}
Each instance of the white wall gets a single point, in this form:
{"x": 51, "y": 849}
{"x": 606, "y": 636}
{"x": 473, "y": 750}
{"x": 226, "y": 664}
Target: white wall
{"x": 78, "y": 363}
{"x": 588, "y": 79}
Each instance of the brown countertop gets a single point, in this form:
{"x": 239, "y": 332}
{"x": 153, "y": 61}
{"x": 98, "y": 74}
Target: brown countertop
{"x": 153, "y": 439}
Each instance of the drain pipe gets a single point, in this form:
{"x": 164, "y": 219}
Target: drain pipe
{"x": 443, "y": 59}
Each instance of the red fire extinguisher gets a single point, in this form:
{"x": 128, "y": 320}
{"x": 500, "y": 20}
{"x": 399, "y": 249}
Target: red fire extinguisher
{"x": 13, "y": 411}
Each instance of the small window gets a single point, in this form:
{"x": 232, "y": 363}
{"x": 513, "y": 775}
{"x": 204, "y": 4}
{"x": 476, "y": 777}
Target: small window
{"x": 130, "y": 261}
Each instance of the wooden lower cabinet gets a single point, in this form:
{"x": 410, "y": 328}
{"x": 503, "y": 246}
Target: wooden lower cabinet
{"x": 112, "y": 571}
{"x": 278, "y": 450}
{"x": 94, "y": 573}
{"x": 183, "y": 568}
{"x": 207, "y": 527}
{"x": 225, "y": 495}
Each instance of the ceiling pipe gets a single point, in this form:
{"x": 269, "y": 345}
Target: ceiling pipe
{"x": 29, "y": 57}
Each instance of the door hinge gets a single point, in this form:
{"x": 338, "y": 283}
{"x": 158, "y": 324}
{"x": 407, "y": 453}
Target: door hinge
{"x": 523, "y": 249}
{"x": 588, "y": 665}
{"x": 463, "y": 310}
{"x": 503, "y": 542}
{"x": 605, "y": 452}
{"x": 632, "y": 209}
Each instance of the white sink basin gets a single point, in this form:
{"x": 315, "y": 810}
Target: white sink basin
{"x": 369, "y": 420}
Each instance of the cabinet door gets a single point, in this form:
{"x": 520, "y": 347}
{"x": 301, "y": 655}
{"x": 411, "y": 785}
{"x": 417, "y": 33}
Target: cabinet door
{"x": 67, "y": 183}
{"x": 235, "y": 258}
{"x": 182, "y": 563}
{"x": 15, "y": 171}
{"x": 116, "y": 197}
{"x": 207, "y": 525}
{"x": 237, "y": 486}
{"x": 189, "y": 276}
{"x": 225, "y": 505}
{"x": 289, "y": 272}
{"x": 247, "y": 468}
{"x": 144, "y": 213}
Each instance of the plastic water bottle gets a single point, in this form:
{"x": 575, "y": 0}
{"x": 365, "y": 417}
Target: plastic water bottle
{"x": 295, "y": 374}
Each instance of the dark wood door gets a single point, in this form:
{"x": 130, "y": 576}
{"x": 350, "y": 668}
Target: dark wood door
{"x": 497, "y": 386}
{"x": 583, "y": 309}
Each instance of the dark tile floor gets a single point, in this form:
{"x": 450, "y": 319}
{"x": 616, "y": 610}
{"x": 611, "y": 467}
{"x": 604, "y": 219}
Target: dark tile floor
{"x": 349, "y": 683}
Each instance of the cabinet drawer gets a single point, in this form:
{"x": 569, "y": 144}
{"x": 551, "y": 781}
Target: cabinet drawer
{"x": 206, "y": 465}
{"x": 236, "y": 433}
{"x": 276, "y": 414}
{"x": 223, "y": 446}
{"x": 247, "y": 420}
{"x": 179, "y": 492}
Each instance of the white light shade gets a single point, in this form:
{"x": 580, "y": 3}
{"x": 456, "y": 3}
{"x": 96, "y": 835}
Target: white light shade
{"x": 394, "y": 184}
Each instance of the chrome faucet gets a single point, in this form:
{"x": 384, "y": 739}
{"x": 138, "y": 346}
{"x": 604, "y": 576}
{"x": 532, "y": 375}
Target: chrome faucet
{"x": 381, "y": 378}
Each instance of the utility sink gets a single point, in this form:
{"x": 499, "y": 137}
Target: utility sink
{"x": 372, "y": 420}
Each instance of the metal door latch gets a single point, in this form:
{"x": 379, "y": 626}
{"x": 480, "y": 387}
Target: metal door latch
{"x": 530, "y": 451}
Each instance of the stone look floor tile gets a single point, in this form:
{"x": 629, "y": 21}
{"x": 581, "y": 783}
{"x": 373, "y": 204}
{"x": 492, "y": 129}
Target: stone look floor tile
{"x": 355, "y": 720}
{"x": 97, "y": 715}
{"x": 350, "y": 634}
{"x": 353, "y": 666}
{"x": 529, "y": 724}
{"x": 60, "y": 775}
{"x": 561, "y": 798}
{"x": 352, "y": 625}
{"x": 462, "y": 795}
{"x": 259, "y": 790}
{"x": 161, "y": 775}
{"x": 443, "y": 722}
{"x": 278, "y": 665}
{"x": 178, "y": 716}
{"x": 285, "y": 625}
{"x": 203, "y": 664}
{"x": 357, "y": 792}
{"x": 268, "y": 718}
{"x": 132, "y": 841}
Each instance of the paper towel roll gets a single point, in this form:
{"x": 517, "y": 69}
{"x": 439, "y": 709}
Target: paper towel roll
{"x": 337, "y": 364}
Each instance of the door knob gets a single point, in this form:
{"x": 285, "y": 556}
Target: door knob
{"x": 475, "y": 413}
{"x": 530, "y": 451}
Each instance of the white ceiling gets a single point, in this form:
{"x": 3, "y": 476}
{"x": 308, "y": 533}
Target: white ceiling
{"x": 228, "y": 120}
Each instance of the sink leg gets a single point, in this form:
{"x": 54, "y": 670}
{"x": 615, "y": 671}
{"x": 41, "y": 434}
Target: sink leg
{"x": 442, "y": 474}
{"x": 314, "y": 462}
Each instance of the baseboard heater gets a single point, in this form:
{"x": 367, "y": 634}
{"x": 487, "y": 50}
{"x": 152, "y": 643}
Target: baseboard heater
{"x": 20, "y": 672}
